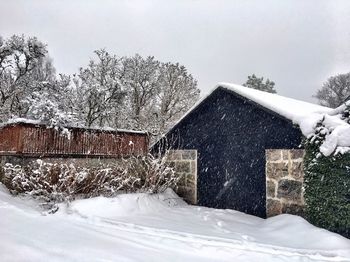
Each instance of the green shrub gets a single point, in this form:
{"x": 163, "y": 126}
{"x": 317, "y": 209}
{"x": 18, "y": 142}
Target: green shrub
{"x": 327, "y": 187}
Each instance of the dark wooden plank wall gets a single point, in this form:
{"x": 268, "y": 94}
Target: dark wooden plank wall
{"x": 37, "y": 140}
{"x": 9, "y": 139}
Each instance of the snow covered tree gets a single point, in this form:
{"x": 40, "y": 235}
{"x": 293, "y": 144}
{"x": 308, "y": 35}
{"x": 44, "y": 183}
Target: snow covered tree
{"x": 29, "y": 86}
{"x": 335, "y": 91}
{"x": 141, "y": 81}
{"x": 20, "y": 62}
{"x": 178, "y": 93}
{"x": 99, "y": 93}
{"x": 158, "y": 93}
{"x": 259, "y": 84}
{"x": 133, "y": 92}
{"x": 52, "y": 103}
{"x": 128, "y": 92}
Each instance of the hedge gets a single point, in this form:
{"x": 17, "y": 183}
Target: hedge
{"x": 327, "y": 189}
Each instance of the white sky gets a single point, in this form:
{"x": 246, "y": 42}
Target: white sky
{"x": 296, "y": 43}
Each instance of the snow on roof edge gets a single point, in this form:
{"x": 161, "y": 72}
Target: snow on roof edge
{"x": 340, "y": 108}
{"x": 38, "y": 122}
{"x": 306, "y": 115}
{"x": 289, "y": 108}
{"x": 228, "y": 86}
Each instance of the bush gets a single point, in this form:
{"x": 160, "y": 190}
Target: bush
{"x": 327, "y": 186}
{"x": 57, "y": 182}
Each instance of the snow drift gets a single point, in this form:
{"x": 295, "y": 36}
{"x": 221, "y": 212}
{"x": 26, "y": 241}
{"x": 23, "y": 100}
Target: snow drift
{"x": 156, "y": 227}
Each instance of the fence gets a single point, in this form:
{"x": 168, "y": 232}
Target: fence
{"x": 38, "y": 140}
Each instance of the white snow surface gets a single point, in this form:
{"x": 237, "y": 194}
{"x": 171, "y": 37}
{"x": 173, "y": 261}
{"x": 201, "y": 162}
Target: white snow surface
{"x": 158, "y": 227}
{"x": 338, "y": 138}
{"x": 20, "y": 120}
{"x": 305, "y": 115}
{"x": 288, "y": 107}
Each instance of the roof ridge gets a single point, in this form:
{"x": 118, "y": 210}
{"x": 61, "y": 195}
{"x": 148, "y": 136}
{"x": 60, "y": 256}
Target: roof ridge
{"x": 287, "y": 107}
{"x": 230, "y": 87}
{"x": 225, "y": 85}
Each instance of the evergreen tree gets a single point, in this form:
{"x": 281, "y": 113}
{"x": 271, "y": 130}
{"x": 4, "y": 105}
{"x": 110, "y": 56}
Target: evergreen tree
{"x": 259, "y": 84}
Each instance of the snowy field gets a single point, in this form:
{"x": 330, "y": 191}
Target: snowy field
{"x": 141, "y": 227}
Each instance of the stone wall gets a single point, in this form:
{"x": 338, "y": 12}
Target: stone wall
{"x": 284, "y": 182}
{"x": 82, "y": 161}
{"x": 24, "y": 161}
{"x": 185, "y": 164}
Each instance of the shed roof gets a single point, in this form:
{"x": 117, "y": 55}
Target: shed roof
{"x": 286, "y": 107}
{"x": 305, "y": 115}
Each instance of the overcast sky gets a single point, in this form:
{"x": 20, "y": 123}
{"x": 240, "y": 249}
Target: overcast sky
{"x": 297, "y": 44}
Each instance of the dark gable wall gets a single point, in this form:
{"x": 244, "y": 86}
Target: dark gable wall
{"x": 231, "y": 135}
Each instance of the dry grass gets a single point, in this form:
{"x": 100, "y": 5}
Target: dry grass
{"x": 57, "y": 182}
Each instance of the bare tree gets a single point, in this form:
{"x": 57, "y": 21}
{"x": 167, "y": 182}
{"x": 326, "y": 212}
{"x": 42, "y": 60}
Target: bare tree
{"x": 127, "y": 92}
{"x": 141, "y": 81}
{"x": 335, "y": 91}
{"x": 133, "y": 92}
{"x": 20, "y": 62}
{"x": 99, "y": 91}
{"x": 178, "y": 92}
{"x": 29, "y": 86}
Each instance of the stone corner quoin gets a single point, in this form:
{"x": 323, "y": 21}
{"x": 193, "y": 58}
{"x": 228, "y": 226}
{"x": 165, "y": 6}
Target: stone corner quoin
{"x": 284, "y": 182}
{"x": 184, "y": 163}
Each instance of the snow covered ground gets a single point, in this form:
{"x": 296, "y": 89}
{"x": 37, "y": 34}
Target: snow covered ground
{"x": 141, "y": 227}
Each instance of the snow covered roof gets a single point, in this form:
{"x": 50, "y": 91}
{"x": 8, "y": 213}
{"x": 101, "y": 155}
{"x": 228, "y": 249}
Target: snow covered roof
{"x": 15, "y": 121}
{"x": 305, "y": 115}
{"x": 287, "y": 107}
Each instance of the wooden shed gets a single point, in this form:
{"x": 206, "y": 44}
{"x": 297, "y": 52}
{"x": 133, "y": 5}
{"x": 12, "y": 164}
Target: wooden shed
{"x": 25, "y": 138}
{"x": 231, "y": 129}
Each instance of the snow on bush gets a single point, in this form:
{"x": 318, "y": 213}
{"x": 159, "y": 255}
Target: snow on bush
{"x": 309, "y": 117}
{"x": 327, "y": 170}
{"x": 58, "y": 182}
{"x": 331, "y": 131}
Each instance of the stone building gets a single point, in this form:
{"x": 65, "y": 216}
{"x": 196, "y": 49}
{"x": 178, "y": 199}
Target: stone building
{"x": 249, "y": 155}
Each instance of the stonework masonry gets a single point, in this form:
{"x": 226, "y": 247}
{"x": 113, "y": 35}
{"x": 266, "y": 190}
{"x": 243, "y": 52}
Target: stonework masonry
{"x": 184, "y": 163}
{"x": 82, "y": 161}
{"x": 284, "y": 182}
